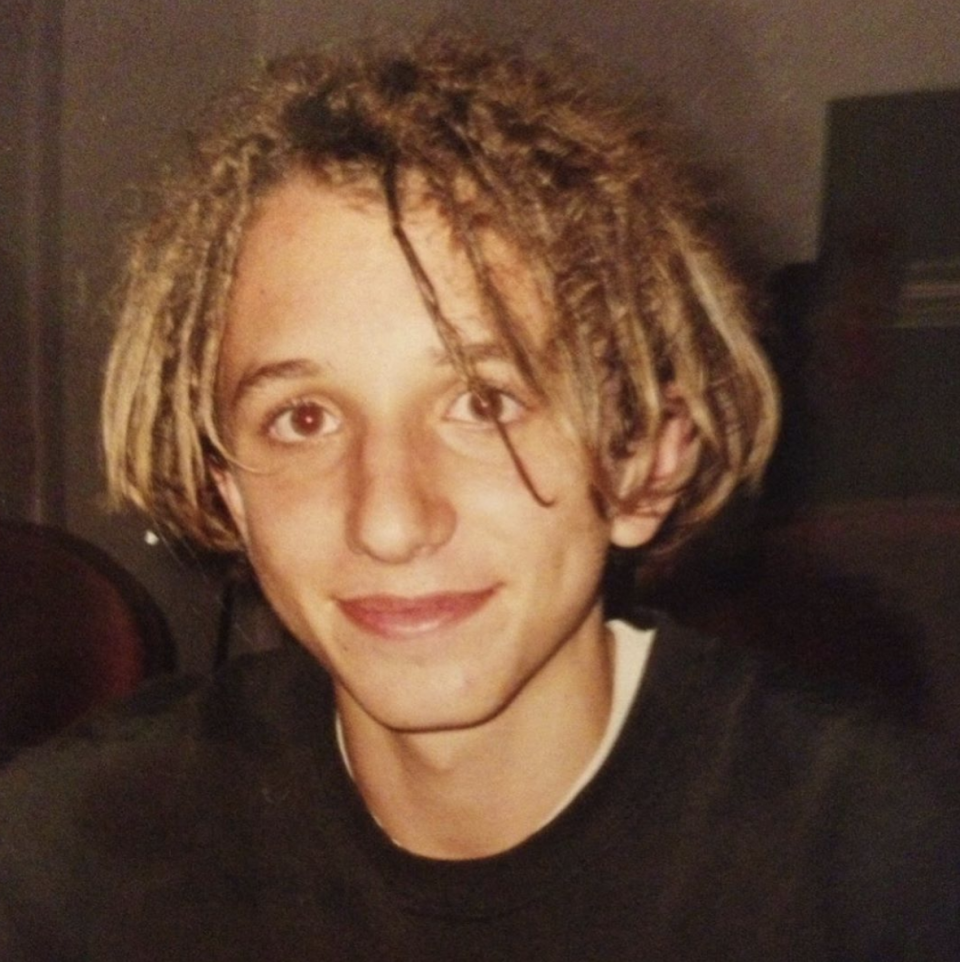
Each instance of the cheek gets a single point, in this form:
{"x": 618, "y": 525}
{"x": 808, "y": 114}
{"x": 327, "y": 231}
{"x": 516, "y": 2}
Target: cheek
{"x": 572, "y": 529}
{"x": 284, "y": 518}
{"x": 577, "y": 545}
{"x": 564, "y": 541}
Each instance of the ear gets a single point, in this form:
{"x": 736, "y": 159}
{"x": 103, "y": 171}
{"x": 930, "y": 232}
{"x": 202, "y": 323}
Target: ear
{"x": 650, "y": 488}
{"x": 232, "y": 496}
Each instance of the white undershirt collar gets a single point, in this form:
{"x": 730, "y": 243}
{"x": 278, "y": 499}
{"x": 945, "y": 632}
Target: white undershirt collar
{"x": 631, "y": 649}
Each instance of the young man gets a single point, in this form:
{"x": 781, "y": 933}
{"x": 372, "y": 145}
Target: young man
{"x": 424, "y": 335}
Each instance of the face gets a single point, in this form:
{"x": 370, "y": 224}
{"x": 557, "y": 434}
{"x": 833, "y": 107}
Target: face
{"x": 380, "y": 507}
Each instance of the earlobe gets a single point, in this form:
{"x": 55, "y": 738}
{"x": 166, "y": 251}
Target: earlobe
{"x": 232, "y": 498}
{"x": 649, "y": 487}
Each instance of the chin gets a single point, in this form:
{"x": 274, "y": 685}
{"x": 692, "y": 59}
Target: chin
{"x": 418, "y": 709}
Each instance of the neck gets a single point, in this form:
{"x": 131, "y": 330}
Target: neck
{"x": 474, "y": 792}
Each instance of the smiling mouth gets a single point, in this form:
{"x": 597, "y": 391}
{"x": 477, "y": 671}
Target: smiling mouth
{"x": 393, "y": 616}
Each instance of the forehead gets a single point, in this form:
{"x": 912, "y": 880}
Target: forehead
{"x": 317, "y": 260}
{"x": 306, "y": 225}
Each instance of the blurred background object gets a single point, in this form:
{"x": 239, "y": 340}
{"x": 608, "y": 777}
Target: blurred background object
{"x": 76, "y": 632}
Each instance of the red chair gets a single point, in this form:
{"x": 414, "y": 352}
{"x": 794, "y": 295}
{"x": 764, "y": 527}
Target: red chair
{"x": 76, "y": 632}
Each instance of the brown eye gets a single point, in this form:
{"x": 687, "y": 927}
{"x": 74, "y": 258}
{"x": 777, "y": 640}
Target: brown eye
{"x": 487, "y": 407}
{"x": 306, "y": 419}
{"x": 303, "y": 421}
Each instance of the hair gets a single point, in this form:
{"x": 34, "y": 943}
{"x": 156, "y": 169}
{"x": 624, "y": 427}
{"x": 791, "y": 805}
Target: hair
{"x": 647, "y": 315}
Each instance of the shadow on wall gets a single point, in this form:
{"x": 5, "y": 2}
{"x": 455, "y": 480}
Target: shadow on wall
{"x": 17, "y": 417}
{"x": 710, "y": 63}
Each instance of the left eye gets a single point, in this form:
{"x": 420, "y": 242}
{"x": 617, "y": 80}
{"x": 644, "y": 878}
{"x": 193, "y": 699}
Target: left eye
{"x": 487, "y": 406}
{"x": 302, "y": 421}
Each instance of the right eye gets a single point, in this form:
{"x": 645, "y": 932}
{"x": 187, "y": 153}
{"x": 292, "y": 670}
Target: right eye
{"x": 302, "y": 421}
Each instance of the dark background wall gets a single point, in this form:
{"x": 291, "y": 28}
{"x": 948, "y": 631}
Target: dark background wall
{"x": 91, "y": 90}
{"x": 30, "y": 316}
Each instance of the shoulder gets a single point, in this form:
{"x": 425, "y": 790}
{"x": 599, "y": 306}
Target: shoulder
{"x": 169, "y": 804}
{"x": 795, "y": 772}
{"x": 779, "y": 716}
{"x": 176, "y": 792}
{"x": 161, "y": 768}
{"x": 179, "y": 723}
{"x": 691, "y": 674}
{"x": 247, "y": 698}
{"x": 811, "y": 801}
{"x": 751, "y": 722}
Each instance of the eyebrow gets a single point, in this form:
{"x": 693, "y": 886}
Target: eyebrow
{"x": 475, "y": 352}
{"x": 275, "y": 371}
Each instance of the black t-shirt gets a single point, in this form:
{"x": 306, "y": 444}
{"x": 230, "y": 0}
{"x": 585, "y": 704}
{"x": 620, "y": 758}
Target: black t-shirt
{"x": 740, "y": 815}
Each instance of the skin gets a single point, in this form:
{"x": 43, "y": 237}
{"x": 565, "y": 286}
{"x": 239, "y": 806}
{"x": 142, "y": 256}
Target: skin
{"x": 458, "y": 617}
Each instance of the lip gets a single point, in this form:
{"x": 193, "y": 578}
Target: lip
{"x": 396, "y": 616}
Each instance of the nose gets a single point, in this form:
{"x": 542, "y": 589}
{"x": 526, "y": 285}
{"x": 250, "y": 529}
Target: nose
{"x": 399, "y": 509}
